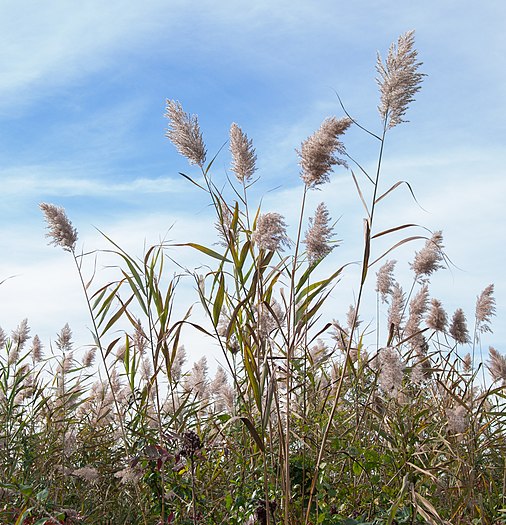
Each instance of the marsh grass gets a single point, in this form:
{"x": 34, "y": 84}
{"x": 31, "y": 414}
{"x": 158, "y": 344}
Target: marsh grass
{"x": 310, "y": 420}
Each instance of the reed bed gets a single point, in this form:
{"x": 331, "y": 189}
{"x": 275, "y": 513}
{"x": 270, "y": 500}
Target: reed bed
{"x": 310, "y": 420}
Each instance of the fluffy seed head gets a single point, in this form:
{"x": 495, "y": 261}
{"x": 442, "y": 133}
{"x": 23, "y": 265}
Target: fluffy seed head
{"x": 437, "y": 318}
{"x": 36, "y": 349}
{"x": 184, "y": 132}
{"x": 60, "y": 228}
{"x": 467, "y": 362}
{"x": 428, "y": 259}
{"x": 458, "y": 419}
{"x": 243, "y": 154}
{"x": 417, "y": 307}
{"x": 497, "y": 365}
{"x": 319, "y": 234}
{"x": 318, "y": 152}
{"x": 458, "y": 327}
{"x": 390, "y": 371}
{"x": 86, "y": 473}
{"x": 21, "y": 335}
{"x": 398, "y": 79}
{"x": 89, "y": 357}
{"x": 395, "y": 312}
{"x": 385, "y": 279}
{"x": 197, "y": 382}
{"x": 485, "y": 309}
{"x": 270, "y": 232}
{"x": 64, "y": 339}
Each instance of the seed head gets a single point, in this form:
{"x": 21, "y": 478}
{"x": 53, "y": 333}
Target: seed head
{"x": 21, "y": 335}
{"x": 390, "y": 371}
{"x": 417, "y": 307}
{"x": 86, "y": 473}
{"x": 243, "y": 154}
{"x": 485, "y": 309}
{"x": 64, "y": 339}
{"x": 395, "y": 312}
{"x": 467, "y": 362}
{"x": 197, "y": 382}
{"x": 89, "y": 357}
{"x": 184, "y": 132}
{"x": 385, "y": 279}
{"x": 428, "y": 259}
{"x": 398, "y": 79}
{"x": 36, "y": 349}
{"x": 458, "y": 327}
{"x": 437, "y": 318}
{"x": 319, "y": 234}
{"x": 270, "y": 232}
{"x": 497, "y": 365}
{"x": 60, "y": 228}
{"x": 318, "y": 152}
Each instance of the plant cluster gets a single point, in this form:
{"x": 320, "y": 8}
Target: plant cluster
{"x": 310, "y": 421}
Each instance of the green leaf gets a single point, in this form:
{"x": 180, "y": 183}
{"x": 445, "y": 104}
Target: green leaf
{"x": 218, "y": 301}
{"x": 204, "y": 249}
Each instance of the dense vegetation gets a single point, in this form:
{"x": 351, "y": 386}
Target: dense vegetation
{"x": 311, "y": 421}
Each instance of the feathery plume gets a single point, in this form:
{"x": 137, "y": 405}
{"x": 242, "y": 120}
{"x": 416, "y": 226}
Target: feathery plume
{"x": 184, "y": 132}
{"x": 437, "y": 318}
{"x": 66, "y": 363}
{"x": 318, "y": 353}
{"x": 318, "y": 152}
{"x": 146, "y": 369}
{"x": 428, "y": 259}
{"x": 89, "y": 357}
{"x": 221, "y": 391}
{"x": 458, "y": 419}
{"x": 458, "y": 327}
{"x": 115, "y": 381}
{"x": 417, "y": 307}
{"x": 385, "y": 279}
{"x": 395, "y": 312}
{"x": 64, "y": 339}
{"x": 391, "y": 371}
{"x": 243, "y": 154}
{"x": 266, "y": 322}
{"x": 196, "y": 382}
{"x": 130, "y": 474}
{"x": 2, "y": 338}
{"x": 21, "y": 335}
{"x": 177, "y": 364}
{"x": 86, "y": 473}
{"x": 139, "y": 338}
{"x": 467, "y": 362}
{"x": 497, "y": 365}
{"x": 224, "y": 222}
{"x": 350, "y": 318}
{"x": 398, "y": 79}
{"x": 270, "y": 232}
{"x": 485, "y": 309}
{"x": 120, "y": 353}
{"x": 318, "y": 235}
{"x": 36, "y": 349}
{"x": 60, "y": 228}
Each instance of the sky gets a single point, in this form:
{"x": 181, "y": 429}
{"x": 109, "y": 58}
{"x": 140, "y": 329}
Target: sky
{"x": 82, "y": 99}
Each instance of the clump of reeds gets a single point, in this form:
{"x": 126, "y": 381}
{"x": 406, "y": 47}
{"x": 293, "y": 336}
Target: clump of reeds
{"x": 308, "y": 420}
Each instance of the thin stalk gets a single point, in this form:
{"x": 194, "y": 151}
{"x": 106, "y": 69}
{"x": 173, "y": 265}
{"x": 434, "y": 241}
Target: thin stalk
{"x": 289, "y": 350}
{"x": 102, "y": 354}
{"x": 352, "y": 329}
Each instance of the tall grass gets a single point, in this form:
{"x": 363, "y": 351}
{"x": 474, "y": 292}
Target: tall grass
{"x": 310, "y": 421}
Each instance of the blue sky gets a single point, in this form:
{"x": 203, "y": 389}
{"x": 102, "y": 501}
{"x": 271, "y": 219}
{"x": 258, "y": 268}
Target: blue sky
{"x": 82, "y": 95}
